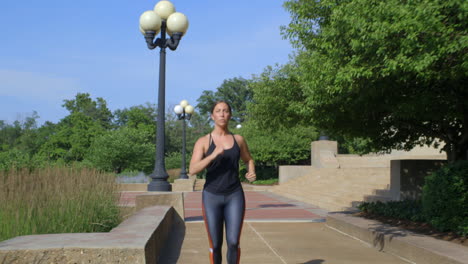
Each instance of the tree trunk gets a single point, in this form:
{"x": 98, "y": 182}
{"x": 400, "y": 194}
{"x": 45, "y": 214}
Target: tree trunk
{"x": 456, "y": 152}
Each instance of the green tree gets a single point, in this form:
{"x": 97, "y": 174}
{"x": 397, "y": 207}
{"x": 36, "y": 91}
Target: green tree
{"x": 391, "y": 71}
{"x": 95, "y": 109}
{"x": 141, "y": 117}
{"x": 235, "y": 91}
{"x": 75, "y": 133}
{"x": 276, "y": 132}
{"x": 137, "y": 116}
{"x": 72, "y": 139}
{"x": 123, "y": 149}
{"x": 281, "y": 146}
{"x": 9, "y": 134}
{"x": 21, "y": 142}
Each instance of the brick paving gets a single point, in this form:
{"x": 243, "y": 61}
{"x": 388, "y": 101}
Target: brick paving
{"x": 260, "y": 206}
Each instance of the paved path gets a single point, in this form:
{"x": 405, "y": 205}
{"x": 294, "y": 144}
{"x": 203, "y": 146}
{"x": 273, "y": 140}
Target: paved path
{"x": 261, "y": 207}
{"x": 277, "y": 230}
{"x": 278, "y": 243}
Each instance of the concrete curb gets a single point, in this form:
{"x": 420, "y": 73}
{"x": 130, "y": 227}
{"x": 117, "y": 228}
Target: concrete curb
{"x": 402, "y": 243}
{"x": 139, "y": 239}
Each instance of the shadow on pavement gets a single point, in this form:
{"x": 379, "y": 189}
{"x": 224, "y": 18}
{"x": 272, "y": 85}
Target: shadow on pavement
{"x": 314, "y": 261}
{"x": 276, "y": 205}
{"x": 194, "y": 218}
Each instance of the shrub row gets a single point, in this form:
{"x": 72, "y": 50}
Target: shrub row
{"x": 444, "y": 202}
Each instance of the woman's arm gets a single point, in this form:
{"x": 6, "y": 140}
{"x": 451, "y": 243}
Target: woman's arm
{"x": 198, "y": 163}
{"x": 246, "y": 158}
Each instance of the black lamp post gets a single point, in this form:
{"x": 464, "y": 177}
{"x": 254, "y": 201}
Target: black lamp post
{"x": 184, "y": 112}
{"x": 162, "y": 19}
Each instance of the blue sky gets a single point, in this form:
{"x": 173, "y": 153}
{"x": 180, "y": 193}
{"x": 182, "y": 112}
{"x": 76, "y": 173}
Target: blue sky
{"x": 51, "y": 50}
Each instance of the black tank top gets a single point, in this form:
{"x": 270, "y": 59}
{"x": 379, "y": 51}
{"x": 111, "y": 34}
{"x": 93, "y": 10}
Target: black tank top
{"x": 222, "y": 176}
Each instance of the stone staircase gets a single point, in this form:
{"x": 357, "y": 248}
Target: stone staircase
{"x": 338, "y": 189}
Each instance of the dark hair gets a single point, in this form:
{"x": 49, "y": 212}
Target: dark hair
{"x": 218, "y": 102}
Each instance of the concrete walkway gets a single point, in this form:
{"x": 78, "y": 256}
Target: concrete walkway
{"x": 279, "y": 243}
{"x": 276, "y": 230}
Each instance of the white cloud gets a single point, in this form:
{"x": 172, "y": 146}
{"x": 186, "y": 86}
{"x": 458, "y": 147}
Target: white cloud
{"x": 37, "y": 85}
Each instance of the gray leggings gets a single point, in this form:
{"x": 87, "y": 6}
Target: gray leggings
{"x": 228, "y": 209}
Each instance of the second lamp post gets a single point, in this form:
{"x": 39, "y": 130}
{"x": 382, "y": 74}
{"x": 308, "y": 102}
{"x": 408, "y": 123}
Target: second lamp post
{"x": 184, "y": 112}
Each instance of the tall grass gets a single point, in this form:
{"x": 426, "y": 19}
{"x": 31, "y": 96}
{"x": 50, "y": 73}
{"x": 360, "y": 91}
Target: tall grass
{"x": 57, "y": 200}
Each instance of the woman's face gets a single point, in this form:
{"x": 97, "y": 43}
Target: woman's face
{"x": 221, "y": 114}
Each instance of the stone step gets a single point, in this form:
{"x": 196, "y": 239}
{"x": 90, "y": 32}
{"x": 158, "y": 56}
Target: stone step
{"x": 338, "y": 189}
{"x": 338, "y": 179}
{"x": 346, "y": 189}
{"x": 338, "y": 199}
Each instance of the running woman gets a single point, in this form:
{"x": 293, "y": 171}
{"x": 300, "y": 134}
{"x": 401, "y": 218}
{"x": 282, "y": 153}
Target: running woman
{"x": 223, "y": 197}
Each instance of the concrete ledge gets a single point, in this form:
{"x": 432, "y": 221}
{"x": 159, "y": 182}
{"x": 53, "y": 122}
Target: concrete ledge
{"x": 138, "y": 239}
{"x": 133, "y": 187}
{"x": 407, "y": 245}
{"x": 183, "y": 185}
{"x": 174, "y": 199}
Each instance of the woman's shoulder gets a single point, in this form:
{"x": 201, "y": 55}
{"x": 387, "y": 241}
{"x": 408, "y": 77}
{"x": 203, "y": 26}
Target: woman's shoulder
{"x": 239, "y": 138}
{"x": 203, "y": 139}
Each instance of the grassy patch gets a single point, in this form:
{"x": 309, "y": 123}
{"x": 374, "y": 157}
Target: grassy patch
{"x": 57, "y": 200}
{"x": 266, "y": 182}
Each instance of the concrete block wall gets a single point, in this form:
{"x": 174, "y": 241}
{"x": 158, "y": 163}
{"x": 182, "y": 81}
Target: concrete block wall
{"x": 338, "y": 189}
{"x": 339, "y": 182}
{"x": 139, "y": 239}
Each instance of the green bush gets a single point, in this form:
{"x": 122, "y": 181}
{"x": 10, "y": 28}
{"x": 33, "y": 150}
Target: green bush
{"x": 445, "y": 198}
{"x": 407, "y": 209}
{"x": 174, "y": 160}
{"x": 122, "y": 150}
{"x": 263, "y": 173}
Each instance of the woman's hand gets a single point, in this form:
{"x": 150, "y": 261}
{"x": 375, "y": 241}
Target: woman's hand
{"x": 218, "y": 151}
{"x": 251, "y": 176}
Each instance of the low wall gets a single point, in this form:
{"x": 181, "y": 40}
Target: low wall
{"x": 364, "y": 161}
{"x": 183, "y": 185}
{"x": 287, "y": 173}
{"x": 139, "y": 239}
{"x": 133, "y": 187}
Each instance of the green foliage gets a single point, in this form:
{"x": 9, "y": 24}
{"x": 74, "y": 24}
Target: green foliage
{"x": 278, "y": 100}
{"x": 264, "y": 174}
{"x": 274, "y": 129}
{"x": 445, "y": 197}
{"x": 174, "y": 160}
{"x": 408, "y": 209}
{"x": 9, "y": 134}
{"x": 123, "y": 149}
{"x": 72, "y": 139}
{"x": 279, "y": 147}
{"x": 266, "y": 182}
{"x": 444, "y": 201}
{"x": 235, "y": 91}
{"x": 14, "y": 158}
{"x": 96, "y": 110}
{"x": 390, "y": 71}
{"x": 138, "y": 117}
